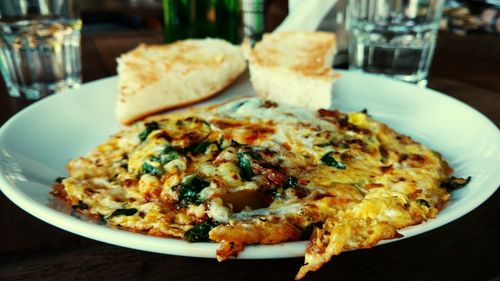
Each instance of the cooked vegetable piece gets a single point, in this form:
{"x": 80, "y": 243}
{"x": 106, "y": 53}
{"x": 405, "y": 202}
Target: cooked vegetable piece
{"x": 169, "y": 154}
{"x": 200, "y": 147}
{"x": 245, "y": 165}
{"x": 275, "y": 176}
{"x": 60, "y": 179}
{"x": 329, "y": 160}
{"x": 325, "y": 144}
{"x": 235, "y": 143}
{"x": 291, "y": 182}
{"x": 81, "y": 205}
{"x": 454, "y": 183}
{"x": 123, "y": 212}
{"x": 253, "y": 154}
{"x": 150, "y": 169}
{"x": 189, "y": 188}
{"x": 150, "y": 127}
{"x": 199, "y": 232}
{"x": 423, "y": 202}
{"x": 192, "y": 128}
{"x": 245, "y": 158}
{"x": 156, "y": 169}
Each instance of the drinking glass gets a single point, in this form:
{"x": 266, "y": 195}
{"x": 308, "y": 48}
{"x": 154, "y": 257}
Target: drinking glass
{"x": 39, "y": 46}
{"x": 395, "y": 38}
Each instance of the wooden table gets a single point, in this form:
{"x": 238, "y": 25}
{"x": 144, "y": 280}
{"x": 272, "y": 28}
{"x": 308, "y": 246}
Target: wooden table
{"x": 466, "y": 68}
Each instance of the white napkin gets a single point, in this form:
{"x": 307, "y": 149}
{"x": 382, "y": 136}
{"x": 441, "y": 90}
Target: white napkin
{"x": 306, "y": 15}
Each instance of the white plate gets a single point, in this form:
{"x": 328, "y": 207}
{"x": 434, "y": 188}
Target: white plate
{"x": 36, "y": 144}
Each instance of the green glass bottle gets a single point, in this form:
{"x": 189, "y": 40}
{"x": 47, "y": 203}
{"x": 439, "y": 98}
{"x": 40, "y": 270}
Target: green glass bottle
{"x": 202, "y": 18}
{"x": 253, "y": 19}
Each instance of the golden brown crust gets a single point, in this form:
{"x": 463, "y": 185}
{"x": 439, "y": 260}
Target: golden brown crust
{"x": 261, "y": 233}
{"x": 270, "y": 52}
{"x": 336, "y": 237}
{"x": 147, "y": 75}
{"x": 184, "y": 104}
{"x": 154, "y": 78}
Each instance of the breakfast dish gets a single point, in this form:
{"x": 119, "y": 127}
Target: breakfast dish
{"x": 159, "y": 77}
{"x": 253, "y": 171}
{"x": 294, "y": 68}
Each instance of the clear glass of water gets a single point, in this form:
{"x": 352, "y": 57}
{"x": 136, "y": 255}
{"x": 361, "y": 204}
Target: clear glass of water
{"x": 39, "y": 46}
{"x": 395, "y": 38}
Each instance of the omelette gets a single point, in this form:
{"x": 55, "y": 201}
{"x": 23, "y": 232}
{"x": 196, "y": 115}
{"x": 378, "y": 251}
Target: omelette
{"x": 252, "y": 171}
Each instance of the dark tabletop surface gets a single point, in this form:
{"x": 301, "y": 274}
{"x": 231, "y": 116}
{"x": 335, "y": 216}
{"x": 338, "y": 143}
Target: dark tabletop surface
{"x": 466, "y": 68}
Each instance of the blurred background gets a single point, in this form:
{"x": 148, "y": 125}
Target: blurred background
{"x": 116, "y": 15}
{"x": 469, "y": 28}
{"x": 460, "y": 16}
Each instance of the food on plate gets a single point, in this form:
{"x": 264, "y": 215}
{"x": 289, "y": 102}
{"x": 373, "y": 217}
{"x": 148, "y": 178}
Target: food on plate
{"x": 252, "y": 171}
{"x": 294, "y": 67}
{"x": 153, "y": 78}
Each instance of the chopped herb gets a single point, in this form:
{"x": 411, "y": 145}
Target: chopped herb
{"x": 154, "y": 159}
{"x": 169, "y": 149}
{"x": 245, "y": 158}
{"x": 150, "y": 169}
{"x": 60, "y": 179}
{"x": 308, "y": 230}
{"x": 383, "y": 153}
{"x": 235, "y": 143}
{"x": 123, "y": 212}
{"x": 197, "y": 128}
{"x": 245, "y": 165}
{"x": 291, "y": 182}
{"x": 150, "y": 127}
{"x": 165, "y": 158}
{"x": 169, "y": 154}
{"x": 187, "y": 180}
{"x": 423, "y": 202}
{"x": 221, "y": 140}
{"x": 329, "y": 160}
{"x": 221, "y": 143}
{"x": 238, "y": 105}
{"x": 199, "y": 232}
{"x": 269, "y": 104}
{"x": 454, "y": 183}
{"x": 189, "y": 189}
{"x": 81, "y": 205}
{"x": 124, "y": 165}
{"x": 254, "y": 155}
{"x": 102, "y": 219}
{"x": 200, "y": 147}
{"x": 325, "y": 144}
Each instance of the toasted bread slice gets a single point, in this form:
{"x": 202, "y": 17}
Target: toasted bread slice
{"x": 158, "y": 77}
{"x": 294, "y": 68}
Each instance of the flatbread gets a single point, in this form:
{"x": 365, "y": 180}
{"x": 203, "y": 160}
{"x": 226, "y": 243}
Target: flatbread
{"x": 153, "y": 78}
